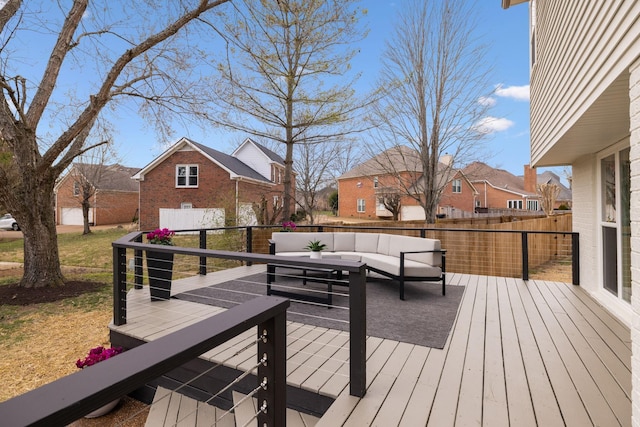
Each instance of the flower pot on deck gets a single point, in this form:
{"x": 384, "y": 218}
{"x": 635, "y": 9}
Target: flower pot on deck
{"x": 316, "y": 255}
{"x": 160, "y": 271}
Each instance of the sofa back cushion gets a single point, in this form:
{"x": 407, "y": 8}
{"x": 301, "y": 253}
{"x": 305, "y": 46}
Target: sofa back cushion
{"x": 296, "y": 241}
{"x": 344, "y": 242}
{"x": 399, "y": 244}
{"x": 367, "y": 242}
{"x": 383, "y": 244}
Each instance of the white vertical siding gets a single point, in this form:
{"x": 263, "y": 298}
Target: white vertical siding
{"x": 581, "y": 48}
{"x": 634, "y": 92}
{"x": 255, "y": 158}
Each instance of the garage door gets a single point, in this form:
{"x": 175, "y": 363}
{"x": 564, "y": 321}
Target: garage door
{"x": 411, "y": 213}
{"x": 73, "y": 216}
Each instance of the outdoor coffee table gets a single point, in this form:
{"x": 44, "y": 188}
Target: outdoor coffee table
{"x": 309, "y": 274}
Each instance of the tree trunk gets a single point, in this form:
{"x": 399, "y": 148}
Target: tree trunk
{"x": 85, "y": 216}
{"x": 41, "y": 262}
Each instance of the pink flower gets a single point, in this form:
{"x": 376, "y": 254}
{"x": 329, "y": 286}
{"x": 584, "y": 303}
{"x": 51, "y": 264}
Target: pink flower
{"x": 98, "y": 354}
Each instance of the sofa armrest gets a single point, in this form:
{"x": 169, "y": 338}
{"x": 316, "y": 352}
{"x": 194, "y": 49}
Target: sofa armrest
{"x": 272, "y": 247}
{"x": 443, "y": 253}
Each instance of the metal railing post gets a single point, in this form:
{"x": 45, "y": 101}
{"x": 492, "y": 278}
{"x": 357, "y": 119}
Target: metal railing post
{"x": 138, "y": 270}
{"x": 525, "y": 255}
{"x": 272, "y": 374}
{"x": 249, "y": 242}
{"x": 358, "y": 332}
{"x": 119, "y": 286}
{"x": 203, "y": 259}
{"x": 575, "y": 258}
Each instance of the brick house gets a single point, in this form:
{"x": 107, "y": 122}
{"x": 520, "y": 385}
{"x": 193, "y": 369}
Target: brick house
{"x": 113, "y": 195}
{"x": 398, "y": 170}
{"x": 499, "y": 189}
{"x": 191, "y": 185}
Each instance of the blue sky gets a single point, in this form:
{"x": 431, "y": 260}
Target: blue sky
{"x": 505, "y": 31}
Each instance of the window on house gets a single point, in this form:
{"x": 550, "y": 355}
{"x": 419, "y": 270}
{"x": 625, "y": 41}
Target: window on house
{"x": 360, "y": 207}
{"x": 279, "y": 176}
{"x": 457, "y": 186}
{"x": 375, "y": 182}
{"x": 187, "y": 176}
{"x": 76, "y": 188}
{"x": 276, "y": 201}
{"x": 514, "y": 204}
{"x": 533, "y": 205}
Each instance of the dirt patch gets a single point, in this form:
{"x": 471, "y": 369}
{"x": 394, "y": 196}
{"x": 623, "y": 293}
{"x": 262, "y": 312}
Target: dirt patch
{"x": 17, "y": 295}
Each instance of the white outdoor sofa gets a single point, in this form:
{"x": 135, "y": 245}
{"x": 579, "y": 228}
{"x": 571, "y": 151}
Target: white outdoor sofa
{"x": 398, "y": 257}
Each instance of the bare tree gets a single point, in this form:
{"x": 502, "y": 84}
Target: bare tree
{"x": 87, "y": 173}
{"x": 548, "y": 194}
{"x": 391, "y": 199}
{"x": 313, "y": 173}
{"x": 92, "y": 58}
{"x": 435, "y": 72}
{"x": 287, "y": 70}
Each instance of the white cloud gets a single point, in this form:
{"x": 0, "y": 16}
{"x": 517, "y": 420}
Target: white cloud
{"x": 487, "y": 101}
{"x": 520, "y": 93}
{"x": 489, "y": 125}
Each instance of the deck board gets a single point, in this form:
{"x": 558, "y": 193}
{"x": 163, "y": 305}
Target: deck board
{"x": 519, "y": 354}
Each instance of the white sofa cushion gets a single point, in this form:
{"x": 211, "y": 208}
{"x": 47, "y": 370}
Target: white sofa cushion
{"x": 399, "y": 244}
{"x": 391, "y": 265}
{"x": 344, "y": 242}
{"x": 366, "y": 242}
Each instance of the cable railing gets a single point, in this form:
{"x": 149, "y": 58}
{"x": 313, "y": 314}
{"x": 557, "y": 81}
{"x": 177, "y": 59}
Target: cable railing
{"x": 70, "y": 398}
{"x": 129, "y": 255}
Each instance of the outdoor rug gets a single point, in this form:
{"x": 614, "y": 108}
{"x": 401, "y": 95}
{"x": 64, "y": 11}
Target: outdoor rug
{"x": 424, "y": 318}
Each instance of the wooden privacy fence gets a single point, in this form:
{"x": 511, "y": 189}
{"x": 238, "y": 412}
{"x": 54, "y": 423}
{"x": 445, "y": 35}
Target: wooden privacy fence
{"x": 499, "y": 249}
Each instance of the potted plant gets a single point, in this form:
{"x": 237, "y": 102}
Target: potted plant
{"x": 316, "y": 247}
{"x": 96, "y": 355}
{"x": 160, "y": 264}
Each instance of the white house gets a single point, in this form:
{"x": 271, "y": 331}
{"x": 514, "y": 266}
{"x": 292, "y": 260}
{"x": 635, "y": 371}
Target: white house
{"x": 585, "y": 112}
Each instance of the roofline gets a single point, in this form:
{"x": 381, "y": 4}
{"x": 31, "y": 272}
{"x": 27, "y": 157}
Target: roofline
{"x": 507, "y": 189}
{"x": 169, "y": 151}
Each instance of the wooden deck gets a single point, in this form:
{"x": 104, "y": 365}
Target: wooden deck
{"x": 520, "y": 354}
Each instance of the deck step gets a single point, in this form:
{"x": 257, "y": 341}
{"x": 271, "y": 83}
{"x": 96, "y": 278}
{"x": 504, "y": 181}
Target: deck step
{"x": 170, "y": 408}
{"x": 246, "y": 410}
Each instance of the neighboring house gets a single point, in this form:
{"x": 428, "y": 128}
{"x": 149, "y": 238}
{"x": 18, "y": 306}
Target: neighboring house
{"x": 113, "y": 195}
{"x": 191, "y": 185}
{"x": 585, "y": 99}
{"x": 499, "y": 189}
{"x": 360, "y": 189}
{"x": 565, "y": 196}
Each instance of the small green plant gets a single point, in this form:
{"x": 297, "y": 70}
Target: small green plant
{"x": 315, "y": 246}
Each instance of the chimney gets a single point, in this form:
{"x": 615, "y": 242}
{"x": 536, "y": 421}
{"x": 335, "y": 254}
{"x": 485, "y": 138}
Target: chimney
{"x": 530, "y": 179}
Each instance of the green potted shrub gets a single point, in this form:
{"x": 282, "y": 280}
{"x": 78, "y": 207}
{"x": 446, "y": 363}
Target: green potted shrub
{"x": 316, "y": 247}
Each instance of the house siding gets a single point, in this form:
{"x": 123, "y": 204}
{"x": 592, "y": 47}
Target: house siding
{"x": 634, "y": 85}
{"x": 463, "y": 201}
{"x": 349, "y": 191}
{"x": 158, "y": 189}
{"x": 581, "y": 48}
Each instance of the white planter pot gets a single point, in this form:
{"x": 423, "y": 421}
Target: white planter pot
{"x": 103, "y": 410}
{"x": 316, "y": 255}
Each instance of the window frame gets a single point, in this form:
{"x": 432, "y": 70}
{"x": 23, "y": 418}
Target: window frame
{"x": 514, "y": 204}
{"x": 361, "y": 205}
{"x": 456, "y": 184}
{"x": 187, "y": 176}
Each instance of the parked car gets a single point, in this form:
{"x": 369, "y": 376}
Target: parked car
{"x": 7, "y": 222}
